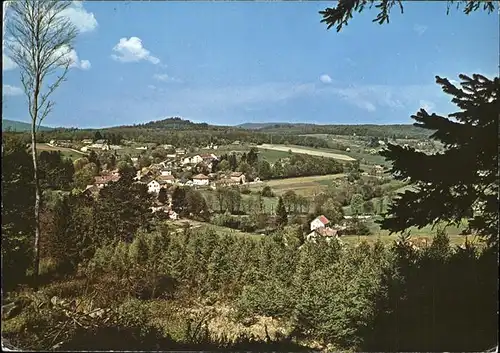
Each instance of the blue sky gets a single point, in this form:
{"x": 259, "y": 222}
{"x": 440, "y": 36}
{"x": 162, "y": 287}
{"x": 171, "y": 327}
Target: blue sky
{"x": 235, "y": 62}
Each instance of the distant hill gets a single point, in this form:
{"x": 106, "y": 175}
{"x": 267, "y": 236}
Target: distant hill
{"x": 274, "y": 128}
{"x": 394, "y": 130}
{"x": 175, "y": 123}
{"x": 19, "y": 126}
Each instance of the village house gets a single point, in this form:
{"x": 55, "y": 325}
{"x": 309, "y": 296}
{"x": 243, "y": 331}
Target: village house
{"x": 320, "y": 228}
{"x": 238, "y": 176}
{"x": 103, "y": 180}
{"x": 180, "y": 151}
{"x": 319, "y": 222}
{"x": 87, "y": 141}
{"x": 200, "y": 180}
{"x": 208, "y": 157}
{"x": 166, "y": 171}
{"x": 168, "y": 147}
{"x": 100, "y": 145}
{"x": 154, "y": 187}
{"x": 192, "y": 160}
{"x": 166, "y": 164}
{"x": 325, "y": 232}
{"x": 60, "y": 143}
{"x": 166, "y": 179}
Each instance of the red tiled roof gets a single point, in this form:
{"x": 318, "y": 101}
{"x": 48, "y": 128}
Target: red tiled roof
{"x": 323, "y": 219}
{"x": 200, "y": 176}
{"x": 104, "y": 179}
{"x": 326, "y": 232}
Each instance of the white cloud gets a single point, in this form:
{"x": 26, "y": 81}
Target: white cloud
{"x": 9, "y": 90}
{"x": 7, "y": 63}
{"x": 72, "y": 56}
{"x": 325, "y": 78}
{"x": 85, "y": 65}
{"x": 420, "y": 29}
{"x": 131, "y": 50}
{"x": 83, "y": 20}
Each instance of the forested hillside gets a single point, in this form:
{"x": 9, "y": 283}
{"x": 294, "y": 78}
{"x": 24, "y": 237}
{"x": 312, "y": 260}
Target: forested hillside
{"x": 389, "y": 131}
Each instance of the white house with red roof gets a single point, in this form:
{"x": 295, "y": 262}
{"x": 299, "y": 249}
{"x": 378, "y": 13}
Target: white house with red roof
{"x": 200, "y": 180}
{"x": 319, "y": 222}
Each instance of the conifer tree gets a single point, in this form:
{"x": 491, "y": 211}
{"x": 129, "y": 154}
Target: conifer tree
{"x": 462, "y": 182}
{"x": 281, "y": 214}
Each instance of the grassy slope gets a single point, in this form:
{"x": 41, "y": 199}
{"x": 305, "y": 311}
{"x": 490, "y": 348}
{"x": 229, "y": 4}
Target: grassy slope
{"x": 66, "y": 152}
{"x": 13, "y": 125}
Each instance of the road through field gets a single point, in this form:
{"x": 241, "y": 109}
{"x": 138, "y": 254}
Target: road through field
{"x": 47, "y": 147}
{"x": 294, "y": 149}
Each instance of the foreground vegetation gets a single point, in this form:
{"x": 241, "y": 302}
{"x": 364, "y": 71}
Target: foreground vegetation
{"x": 175, "y": 289}
{"x": 116, "y": 276}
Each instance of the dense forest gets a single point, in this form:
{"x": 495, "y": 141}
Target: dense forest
{"x": 184, "y": 133}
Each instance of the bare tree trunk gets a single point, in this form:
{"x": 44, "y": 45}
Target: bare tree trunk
{"x": 36, "y": 249}
{"x": 38, "y": 197}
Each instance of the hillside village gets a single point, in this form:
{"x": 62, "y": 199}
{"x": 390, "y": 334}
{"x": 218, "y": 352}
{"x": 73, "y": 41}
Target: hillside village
{"x": 187, "y": 169}
{"x": 323, "y": 197}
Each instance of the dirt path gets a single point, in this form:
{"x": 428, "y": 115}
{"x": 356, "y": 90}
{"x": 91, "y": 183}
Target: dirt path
{"x": 47, "y": 147}
{"x": 285, "y": 148}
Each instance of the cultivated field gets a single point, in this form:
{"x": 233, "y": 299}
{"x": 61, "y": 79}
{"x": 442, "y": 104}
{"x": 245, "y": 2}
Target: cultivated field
{"x": 312, "y": 152}
{"x": 306, "y": 186}
{"x": 66, "y": 152}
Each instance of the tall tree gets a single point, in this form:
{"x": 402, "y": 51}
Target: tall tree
{"x": 281, "y": 214}
{"x": 17, "y": 210}
{"x": 462, "y": 182}
{"x": 252, "y": 156}
{"x": 162, "y": 195}
{"x": 40, "y": 41}
{"x": 357, "y": 204}
{"x": 179, "y": 200}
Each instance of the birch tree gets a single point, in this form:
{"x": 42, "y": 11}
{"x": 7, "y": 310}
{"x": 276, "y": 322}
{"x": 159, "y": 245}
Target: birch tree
{"x": 39, "y": 40}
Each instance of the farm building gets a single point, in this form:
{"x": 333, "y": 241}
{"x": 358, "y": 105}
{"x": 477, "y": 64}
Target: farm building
{"x": 200, "y": 180}
{"x": 238, "y": 176}
{"x": 325, "y": 232}
{"x": 319, "y": 222}
{"x": 103, "y": 180}
{"x": 154, "y": 187}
